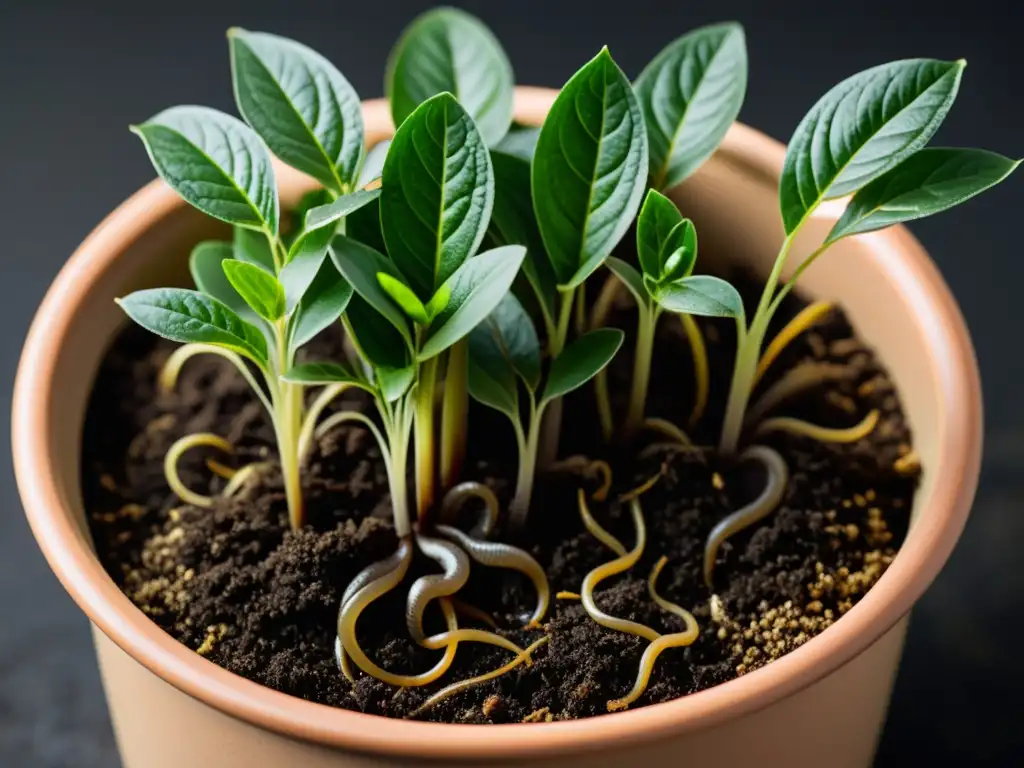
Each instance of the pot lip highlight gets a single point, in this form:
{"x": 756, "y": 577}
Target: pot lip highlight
{"x": 901, "y": 262}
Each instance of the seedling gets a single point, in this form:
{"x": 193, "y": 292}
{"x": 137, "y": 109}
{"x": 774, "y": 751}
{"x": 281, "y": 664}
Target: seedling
{"x": 456, "y": 257}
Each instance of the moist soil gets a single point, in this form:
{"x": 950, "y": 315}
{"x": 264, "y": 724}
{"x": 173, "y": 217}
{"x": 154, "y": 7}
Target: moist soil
{"x": 237, "y": 586}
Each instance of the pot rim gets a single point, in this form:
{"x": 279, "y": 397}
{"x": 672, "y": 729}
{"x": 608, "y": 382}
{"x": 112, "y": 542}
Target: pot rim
{"x": 918, "y": 561}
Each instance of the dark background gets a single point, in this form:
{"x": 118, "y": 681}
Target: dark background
{"x": 73, "y": 78}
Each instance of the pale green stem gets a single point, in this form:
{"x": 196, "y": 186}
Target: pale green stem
{"x": 551, "y": 428}
{"x": 520, "y": 506}
{"x": 454, "y": 414}
{"x": 288, "y": 408}
{"x": 425, "y": 482}
{"x": 646, "y": 325}
{"x": 398, "y": 429}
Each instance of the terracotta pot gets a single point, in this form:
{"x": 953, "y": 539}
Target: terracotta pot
{"x": 823, "y": 704}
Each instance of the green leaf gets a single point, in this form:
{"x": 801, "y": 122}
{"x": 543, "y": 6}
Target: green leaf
{"x": 476, "y": 289}
{"x": 492, "y": 382}
{"x": 322, "y": 304}
{"x": 306, "y": 256}
{"x": 332, "y": 213}
{"x": 260, "y": 290}
{"x": 929, "y": 182}
{"x": 254, "y": 248}
{"x": 215, "y": 162}
{"x": 360, "y": 265}
{"x": 373, "y": 165}
{"x": 864, "y": 126}
{"x": 587, "y": 172}
{"x": 190, "y": 317}
{"x": 520, "y": 141}
{"x": 448, "y": 50}
{"x": 631, "y": 278}
{"x": 513, "y": 223}
{"x": 439, "y": 301}
{"x": 581, "y": 361}
{"x": 377, "y": 339}
{"x": 395, "y": 382}
{"x": 690, "y": 94}
{"x": 312, "y": 374}
{"x": 701, "y": 295}
{"x": 205, "y": 265}
{"x": 302, "y": 107}
{"x": 508, "y": 332}
{"x": 403, "y": 296}
{"x": 438, "y": 193}
{"x": 662, "y": 234}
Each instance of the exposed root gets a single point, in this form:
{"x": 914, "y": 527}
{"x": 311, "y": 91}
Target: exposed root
{"x": 566, "y": 595}
{"x": 651, "y": 653}
{"x": 621, "y": 564}
{"x": 669, "y": 430}
{"x": 375, "y": 581}
{"x": 644, "y": 487}
{"x": 589, "y": 468}
{"x": 792, "y": 383}
{"x": 701, "y": 372}
{"x": 322, "y": 400}
{"x": 174, "y": 455}
{"x": 463, "y": 685}
{"x": 498, "y": 555}
{"x": 746, "y": 516}
{"x": 807, "y": 317}
{"x": 819, "y": 433}
{"x": 595, "y": 528}
{"x": 172, "y": 368}
{"x": 470, "y": 611}
{"x": 457, "y": 497}
{"x": 242, "y": 476}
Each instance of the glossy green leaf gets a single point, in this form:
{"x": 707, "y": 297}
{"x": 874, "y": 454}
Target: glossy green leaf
{"x": 513, "y": 223}
{"x": 305, "y": 258}
{"x": 260, "y": 290}
{"x": 520, "y": 141}
{"x": 508, "y": 332}
{"x": 662, "y": 234}
{"x": 403, "y": 296}
{"x": 360, "y": 265}
{"x": 395, "y": 382}
{"x": 254, "y": 248}
{"x": 476, "y": 288}
{"x": 587, "y": 174}
{"x": 332, "y": 213}
{"x": 581, "y": 360}
{"x": 631, "y": 278}
{"x": 373, "y": 164}
{"x": 215, "y": 162}
{"x": 438, "y": 193}
{"x": 929, "y": 182}
{"x": 300, "y": 104}
{"x": 691, "y": 93}
{"x": 491, "y": 380}
{"x": 321, "y": 305}
{"x": 864, "y": 126}
{"x": 378, "y": 341}
{"x": 448, "y": 50}
{"x": 191, "y": 317}
{"x": 312, "y": 374}
{"x": 701, "y": 295}
{"x": 205, "y": 265}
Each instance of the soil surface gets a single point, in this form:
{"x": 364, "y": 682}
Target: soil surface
{"x": 236, "y": 585}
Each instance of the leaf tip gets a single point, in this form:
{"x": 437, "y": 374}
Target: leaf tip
{"x": 234, "y": 32}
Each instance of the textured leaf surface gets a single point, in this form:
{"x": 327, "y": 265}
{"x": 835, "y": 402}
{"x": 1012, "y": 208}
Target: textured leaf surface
{"x": 663, "y": 234}
{"x": 582, "y": 360}
{"x": 690, "y": 94}
{"x": 450, "y": 50}
{"x": 215, "y": 162}
{"x": 438, "y": 193}
{"x": 260, "y": 290}
{"x": 321, "y": 305}
{"x": 701, "y": 295}
{"x": 205, "y": 265}
{"x": 188, "y": 316}
{"x": 508, "y": 331}
{"x": 360, "y": 265}
{"x": 864, "y": 126}
{"x": 300, "y": 104}
{"x": 929, "y": 182}
{"x": 587, "y": 171}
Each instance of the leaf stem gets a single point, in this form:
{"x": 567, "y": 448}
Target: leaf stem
{"x": 454, "y": 414}
{"x": 424, "y": 427}
{"x": 646, "y": 325}
{"x": 398, "y": 429}
{"x": 551, "y": 428}
{"x": 557, "y": 344}
{"x": 288, "y": 408}
{"x": 520, "y": 506}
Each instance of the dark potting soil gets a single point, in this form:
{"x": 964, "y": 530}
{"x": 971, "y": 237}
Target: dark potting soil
{"x": 237, "y": 586}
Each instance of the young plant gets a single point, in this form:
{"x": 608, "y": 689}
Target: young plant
{"x": 262, "y": 296}
{"x": 690, "y": 95}
{"x": 505, "y": 357}
{"x": 865, "y": 139}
